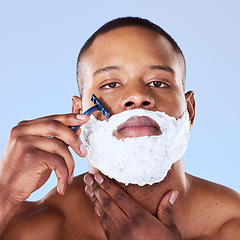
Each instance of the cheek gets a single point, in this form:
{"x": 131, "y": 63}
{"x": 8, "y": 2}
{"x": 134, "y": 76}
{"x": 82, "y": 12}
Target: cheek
{"x": 86, "y": 102}
{"x": 179, "y": 105}
{"x": 112, "y": 103}
{"x": 173, "y": 104}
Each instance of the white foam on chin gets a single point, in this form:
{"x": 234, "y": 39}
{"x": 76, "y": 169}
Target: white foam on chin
{"x": 137, "y": 160}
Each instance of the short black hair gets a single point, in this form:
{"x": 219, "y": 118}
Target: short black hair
{"x": 128, "y": 22}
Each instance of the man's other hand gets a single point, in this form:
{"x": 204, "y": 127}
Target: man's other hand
{"x": 122, "y": 217}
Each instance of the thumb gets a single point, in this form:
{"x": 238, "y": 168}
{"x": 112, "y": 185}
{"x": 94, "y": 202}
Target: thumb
{"x": 165, "y": 209}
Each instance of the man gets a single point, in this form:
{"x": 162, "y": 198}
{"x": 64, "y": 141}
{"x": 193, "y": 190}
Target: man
{"x": 129, "y": 64}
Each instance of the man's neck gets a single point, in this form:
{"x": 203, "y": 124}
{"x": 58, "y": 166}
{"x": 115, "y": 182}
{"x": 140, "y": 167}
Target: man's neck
{"x": 149, "y": 196}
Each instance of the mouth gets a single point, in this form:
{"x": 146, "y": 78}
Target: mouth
{"x": 137, "y": 126}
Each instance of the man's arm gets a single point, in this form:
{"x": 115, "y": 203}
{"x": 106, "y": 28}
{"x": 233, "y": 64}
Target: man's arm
{"x": 33, "y": 150}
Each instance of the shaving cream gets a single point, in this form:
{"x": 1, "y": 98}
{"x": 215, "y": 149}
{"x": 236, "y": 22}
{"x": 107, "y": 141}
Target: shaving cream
{"x": 136, "y": 160}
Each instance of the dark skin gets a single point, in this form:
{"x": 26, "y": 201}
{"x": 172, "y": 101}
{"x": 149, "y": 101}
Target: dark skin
{"x": 180, "y": 207}
{"x": 123, "y": 218}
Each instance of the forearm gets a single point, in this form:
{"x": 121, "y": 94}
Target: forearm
{"x": 7, "y": 210}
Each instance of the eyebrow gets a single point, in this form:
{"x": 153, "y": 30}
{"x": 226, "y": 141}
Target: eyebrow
{"x": 106, "y": 69}
{"x": 161, "y": 67}
{"x": 157, "y": 67}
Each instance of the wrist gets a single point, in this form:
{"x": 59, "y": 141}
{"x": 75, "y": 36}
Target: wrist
{"x": 7, "y": 209}
{"x": 7, "y": 199}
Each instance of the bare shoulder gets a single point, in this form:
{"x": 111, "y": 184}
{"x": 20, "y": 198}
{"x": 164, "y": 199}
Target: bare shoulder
{"x": 55, "y": 216}
{"x": 216, "y": 207}
{"x": 219, "y": 195}
{"x": 34, "y": 222}
{"x": 80, "y": 221}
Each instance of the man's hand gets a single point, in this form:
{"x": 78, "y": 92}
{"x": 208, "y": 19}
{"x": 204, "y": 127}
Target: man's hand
{"x": 123, "y": 218}
{"x": 34, "y": 149}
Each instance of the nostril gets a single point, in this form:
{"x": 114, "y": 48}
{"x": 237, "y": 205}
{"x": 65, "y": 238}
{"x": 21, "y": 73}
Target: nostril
{"x": 146, "y": 103}
{"x": 128, "y": 104}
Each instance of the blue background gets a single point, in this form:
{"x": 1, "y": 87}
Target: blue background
{"x": 40, "y": 41}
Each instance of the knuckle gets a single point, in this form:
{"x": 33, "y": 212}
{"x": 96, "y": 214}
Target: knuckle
{"x": 60, "y": 163}
{"x": 49, "y": 118}
{"x": 95, "y": 188}
{"x": 29, "y": 155}
{"x": 15, "y": 131}
{"x": 106, "y": 204}
{"x": 105, "y": 217}
{"x": 22, "y": 122}
{"x": 119, "y": 197}
{"x": 60, "y": 145}
{"x": 168, "y": 211}
{"x": 138, "y": 220}
{"x": 106, "y": 185}
{"x": 63, "y": 118}
{"x": 70, "y": 166}
{"x": 69, "y": 116}
{"x": 62, "y": 148}
{"x": 53, "y": 125}
{"x": 76, "y": 139}
{"x": 21, "y": 142}
{"x": 73, "y": 139}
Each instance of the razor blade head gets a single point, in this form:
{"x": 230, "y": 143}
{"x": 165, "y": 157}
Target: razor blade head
{"x": 100, "y": 106}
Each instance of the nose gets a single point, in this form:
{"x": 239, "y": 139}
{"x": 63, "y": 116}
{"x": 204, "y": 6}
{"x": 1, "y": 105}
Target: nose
{"x": 136, "y": 97}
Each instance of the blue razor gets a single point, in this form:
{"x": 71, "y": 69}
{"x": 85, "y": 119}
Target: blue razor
{"x": 98, "y": 106}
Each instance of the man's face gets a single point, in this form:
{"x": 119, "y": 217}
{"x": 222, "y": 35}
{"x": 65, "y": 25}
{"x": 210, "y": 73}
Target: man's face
{"x": 133, "y": 67}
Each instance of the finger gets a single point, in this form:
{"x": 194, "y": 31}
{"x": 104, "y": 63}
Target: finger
{"x": 55, "y": 146}
{"x": 114, "y": 221}
{"x": 71, "y": 119}
{"x": 44, "y": 161}
{"x": 55, "y": 129}
{"x": 106, "y": 221}
{"x": 43, "y": 179}
{"x": 119, "y": 196}
{"x": 109, "y": 206}
{"x": 58, "y": 165}
{"x": 102, "y": 199}
{"x": 165, "y": 209}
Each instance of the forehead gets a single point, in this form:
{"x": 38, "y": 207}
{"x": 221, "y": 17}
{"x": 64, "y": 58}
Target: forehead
{"x": 131, "y": 38}
{"x": 130, "y": 47}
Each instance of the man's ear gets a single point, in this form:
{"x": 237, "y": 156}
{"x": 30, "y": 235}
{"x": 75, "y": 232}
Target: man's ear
{"x": 189, "y": 96}
{"x": 76, "y": 105}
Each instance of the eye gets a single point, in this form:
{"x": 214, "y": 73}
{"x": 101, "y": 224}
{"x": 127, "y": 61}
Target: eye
{"x": 111, "y": 85}
{"x": 158, "y": 84}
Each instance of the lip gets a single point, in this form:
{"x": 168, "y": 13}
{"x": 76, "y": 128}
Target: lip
{"x": 137, "y": 126}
